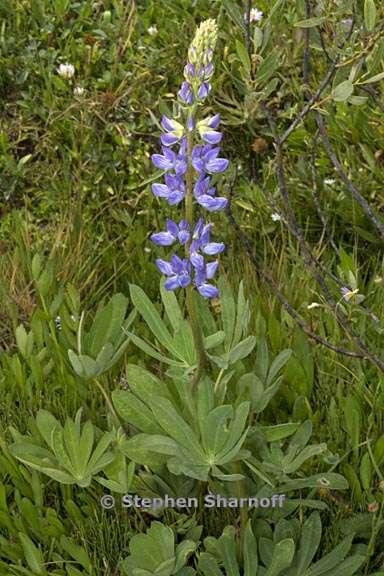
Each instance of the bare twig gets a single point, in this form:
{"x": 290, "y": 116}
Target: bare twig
{"x": 311, "y": 101}
{"x": 249, "y": 247}
{"x": 378, "y": 224}
{"x": 309, "y": 258}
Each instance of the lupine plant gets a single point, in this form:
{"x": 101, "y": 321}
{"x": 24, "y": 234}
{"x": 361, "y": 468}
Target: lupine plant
{"x": 190, "y": 157}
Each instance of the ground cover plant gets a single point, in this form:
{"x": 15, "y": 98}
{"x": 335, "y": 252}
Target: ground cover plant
{"x": 192, "y": 282}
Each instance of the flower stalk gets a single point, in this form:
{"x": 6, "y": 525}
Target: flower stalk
{"x": 192, "y": 312}
{"x": 188, "y": 177}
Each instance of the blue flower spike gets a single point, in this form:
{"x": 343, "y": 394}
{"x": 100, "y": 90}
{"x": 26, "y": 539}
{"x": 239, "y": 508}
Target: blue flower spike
{"x": 190, "y": 156}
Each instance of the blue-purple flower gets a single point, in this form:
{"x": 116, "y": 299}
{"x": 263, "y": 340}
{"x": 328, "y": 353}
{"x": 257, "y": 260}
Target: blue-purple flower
{"x": 205, "y": 159}
{"x": 206, "y": 196}
{"x": 177, "y": 270}
{"x": 207, "y": 130}
{"x": 186, "y": 93}
{"x": 169, "y": 160}
{"x": 174, "y": 130}
{"x": 173, "y": 190}
{"x": 201, "y": 240}
{"x": 181, "y": 180}
{"x": 174, "y": 232}
{"x": 204, "y": 271}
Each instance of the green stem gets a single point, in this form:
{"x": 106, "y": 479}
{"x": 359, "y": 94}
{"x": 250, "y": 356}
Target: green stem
{"x": 241, "y": 493}
{"x": 109, "y": 404}
{"x": 193, "y": 317}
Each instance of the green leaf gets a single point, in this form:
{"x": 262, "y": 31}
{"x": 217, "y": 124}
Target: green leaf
{"x": 373, "y": 79}
{"x": 208, "y": 565}
{"x": 311, "y": 22}
{"x": 184, "y": 344}
{"x": 149, "y": 449}
{"x": 148, "y": 349}
{"x": 250, "y": 551}
{"x": 72, "y": 444}
{"x": 329, "y": 480}
{"x": 243, "y": 56}
{"x": 176, "y": 427}
{"x": 227, "y": 547}
{"x": 331, "y": 560}
{"x": 370, "y": 14}
{"x": 107, "y": 324}
{"x": 151, "y": 317}
{"x": 283, "y": 554}
{"x": 236, "y": 429}
{"x": 183, "y": 551}
{"x": 267, "y": 68}
{"x": 85, "y": 446}
{"x": 134, "y": 411}
{"x": 45, "y": 423}
{"x": 213, "y": 428}
{"x": 242, "y": 350}
{"x": 214, "y": 340}
{"x": 60, "y": 452}
{"x": 228, "y": 312}
{"x": 234, "y": 13}
{"x": 279, "y": 431}
{"x": 309, "y": 543}
{"x": 366, "y": 471}
{"x": 98, "y": 456}
{"x": 277, "y": 364}
{"x": 172, "y": 307}
{"x": 32, "y": 554}
{"x": 343, "y": 91}
{"x": 144, "y": 383}
{"x": 291, "y": 466}
{"x": 76, "y": 552}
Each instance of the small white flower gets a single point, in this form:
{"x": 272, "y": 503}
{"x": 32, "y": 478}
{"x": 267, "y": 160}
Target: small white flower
{"x": 348, "y": 294}
{"x": 313, "y": 305}
{"x": 275, "y": 217}
{"x": 329, "y": 181}
{"x": 346, "y": 22}
{"x": 147, "y": 250}
{"x": 66, "y": 71}
{"x": 152, "y": 30}
{"x": 78, "y": 91}
{"x": 255, "y": 15}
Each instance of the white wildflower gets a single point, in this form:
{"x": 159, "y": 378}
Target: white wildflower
{"x": 255, "y": 15}
{"x": 147, "y": 250}
{"x": 348, "y": 294}
{"x": 313, "y": 305}
{"x": 78, "y": 91}
{"x": 275, "y": 217}
{"x": 329, "y": 181}
{"x": 152, "y": 30}
{"x": 66, "y": 71}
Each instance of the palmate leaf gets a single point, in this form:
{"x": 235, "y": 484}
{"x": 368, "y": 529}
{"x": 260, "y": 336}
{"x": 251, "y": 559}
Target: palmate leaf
{"x": 168, "y": 418}
{"x": 70, "y": 459}
{"x": 40, "y": 459}
{"x": 287, "y": 551}
{"x": 156, "y": 553}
